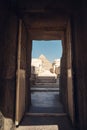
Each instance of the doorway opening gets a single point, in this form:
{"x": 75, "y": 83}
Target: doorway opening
{"x": 45, "y": 101}
{"x": 45, "y": 77}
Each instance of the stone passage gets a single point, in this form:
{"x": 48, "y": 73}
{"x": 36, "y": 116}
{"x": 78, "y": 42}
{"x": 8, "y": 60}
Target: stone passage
{"x": 44, "y": 79}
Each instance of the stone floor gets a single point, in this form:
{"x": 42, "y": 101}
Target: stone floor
{"x": 38, "y": 123}
{"x": 38, "y": 117}
{"x": 41, "y": 127}
{"x": 46, "y": 84}
{"x": 45, "y": 102}
{"x": 46, "y": 99}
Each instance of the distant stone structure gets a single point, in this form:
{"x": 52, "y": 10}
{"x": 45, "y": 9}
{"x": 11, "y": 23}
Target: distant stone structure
{"x": 40, "y": 67}
{"x": 36, "y": 66}
{"x": 40, "y": 64}
{"x": 56, "y": 67}
{"x": 46, "y": 63}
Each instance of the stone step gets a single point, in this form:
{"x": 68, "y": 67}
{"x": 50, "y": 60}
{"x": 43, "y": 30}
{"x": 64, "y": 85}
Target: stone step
{"x": 46, "y": 114}
{"x": 46, "y": 85}
{"x": 44, "y": 89}
{"x": 45, "y": 80}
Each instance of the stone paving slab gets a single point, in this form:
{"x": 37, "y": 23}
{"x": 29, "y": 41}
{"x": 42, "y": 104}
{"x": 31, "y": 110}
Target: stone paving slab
{"x": 40, "y": 127}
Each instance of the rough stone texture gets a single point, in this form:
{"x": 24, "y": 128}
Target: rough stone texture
{"x": 1, "y": 121}
{"x": 8, "y": 124}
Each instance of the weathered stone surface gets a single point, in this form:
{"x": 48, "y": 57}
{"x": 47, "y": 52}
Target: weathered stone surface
{"x": 1, "y": 121}
{"x": 8, "y": 124}
{"x": 41, "y": 127}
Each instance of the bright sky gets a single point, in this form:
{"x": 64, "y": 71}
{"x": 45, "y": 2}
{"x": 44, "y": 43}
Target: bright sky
{"x": 51, "y": 49}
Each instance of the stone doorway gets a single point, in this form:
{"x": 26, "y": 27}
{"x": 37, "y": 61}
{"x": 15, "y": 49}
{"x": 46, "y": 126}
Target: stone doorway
{"x": 45, "y": 76}
{"x": 65, "y": 73}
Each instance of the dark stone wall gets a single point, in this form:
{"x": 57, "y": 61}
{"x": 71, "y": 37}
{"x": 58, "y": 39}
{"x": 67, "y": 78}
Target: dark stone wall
{"x": 28, "y": 72}
{"x": 79, "y": 46}
{"x": 79, "y": 64}
{"x": 8, "y": 64}
{"x": 23, "y": 47}
{"x": 63, "y": 75}
{"x": 8, "y": 47}
{"x": 8, "y": 72}
{"x": 26, "y": 60}
{"x": 3, "y": 17}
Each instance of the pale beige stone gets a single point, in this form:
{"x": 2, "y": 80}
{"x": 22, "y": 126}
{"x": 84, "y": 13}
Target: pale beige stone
{"x": 40, "y": 127}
